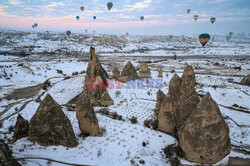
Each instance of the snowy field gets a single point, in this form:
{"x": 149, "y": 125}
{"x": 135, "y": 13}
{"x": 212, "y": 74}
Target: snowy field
{"x": 219, "y": 68}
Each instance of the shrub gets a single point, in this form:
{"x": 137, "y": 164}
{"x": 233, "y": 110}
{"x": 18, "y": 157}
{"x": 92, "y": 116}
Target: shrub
{"x": 141, "y": 161}
{"x": 151, "y": 123}
{"x": 74, "y": 73}
{"x": 133, "y": 120}
{"x": 59, "y": 71}
{"x": 144, "y": 144}
{"x": 147, "y": 122}
{"x": 175, "y": 161}
{"x": 173, "y": 150}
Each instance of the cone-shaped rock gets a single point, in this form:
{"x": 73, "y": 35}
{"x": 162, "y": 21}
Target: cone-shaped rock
{"x": 73, "y": 100}
{"x": 160, "y": 73}
{"x": 204, "y": 137}
{"x": 144, "y": 71}
{"x": 106, "y": 99}
{"x": 166, "y": 116}
{"x": 95, "y": 80}
{"x": 188, "y": 97}
{"x": 160, "y": 97}
{"x": 116, "y": 73}
{"x": 129, "y": 72}
{"x": 6, "y": 158}
{"x": 21, "y": 128}
{"x": 50, "y": 126}
{"x": 246, "y": 80}
{"x": 85, "y": 114}
{"x": 95, "y": 68}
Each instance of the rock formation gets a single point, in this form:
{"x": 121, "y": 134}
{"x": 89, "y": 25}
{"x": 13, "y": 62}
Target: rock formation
{"x": 116, "y": 73}
{"x": 179, "y": 103}
{"x": 204, "y": 137}
{"x": 6, "y": 158}
{"x": 129, "y": 72}
{"x": 160, "y": 73}
{"x": 50, "y": 126}
{"x": 188, "y": 97}
{"x": 96, "y": 81}
{"x": 85, "y": 114}
{"x": 166, "y": 116}
{"x": 21, "y": 128}
{"x": 144, "y": 71}
{"x": 246, "y": 80}
{"x": 160, "y": 97}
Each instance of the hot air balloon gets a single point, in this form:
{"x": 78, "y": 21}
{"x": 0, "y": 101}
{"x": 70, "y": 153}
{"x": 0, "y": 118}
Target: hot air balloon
{"x": 231, "y": 34}
{"x": 171, "y": 37}
{"x": 204, "y": 39}
{"x": 228, "y": 38}
{"x": 188, "y": 11}
{"x": 196, "y": 17}
{"x": 86, "y": 30}
{"x": 94, "y": 17}
{"x": 142, "y": 18}
{"x": 68, "y": 33}
{"x": 126, "y": 33}
{"x": 33, "y": 26}
{"x": 82, "y": 8}
{"x": 109, "y": 5}
{"x": 77, "y": 17}
{"x": 94, "y": 32}
{"x": 212, "y": 20}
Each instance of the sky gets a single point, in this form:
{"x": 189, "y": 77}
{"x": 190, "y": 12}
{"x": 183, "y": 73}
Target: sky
{"x": 161, "y": 16}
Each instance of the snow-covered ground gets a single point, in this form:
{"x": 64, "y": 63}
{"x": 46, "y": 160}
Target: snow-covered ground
{"x": 121, "y": 143}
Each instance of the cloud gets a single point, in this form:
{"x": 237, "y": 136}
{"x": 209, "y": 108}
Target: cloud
{"x": 54, "y": 4}
{"x": 139, "y": 5}
{"x": 14, "y": 2}
{"x": 126, "y": 17}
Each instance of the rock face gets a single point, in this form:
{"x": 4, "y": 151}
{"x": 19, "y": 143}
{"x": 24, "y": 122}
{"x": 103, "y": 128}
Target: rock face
{"x": 144, "y": 71}
{"x": 246, "y": 80}
{"x": 6, "y": 158}
{"x": 116, "y": 73}
{"x": 49, "y": 126}
{"x": 85, "y": 114}
{"x": 21, "y": 128}
{"x": 166, "y": 116}
{"x": 188, "y": 97}
{"x": 129, "y": 72}
{"x": 160, "y": 73}
{"x": 160, "y": 97}
{"x": 96, "y": 81}
{"x": 179, "y": 103}
{"x": 204, "y": 137}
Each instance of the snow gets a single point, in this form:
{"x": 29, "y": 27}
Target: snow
{"x": 121, "y": 142}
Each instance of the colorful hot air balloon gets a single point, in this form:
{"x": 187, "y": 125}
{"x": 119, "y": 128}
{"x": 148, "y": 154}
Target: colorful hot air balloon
{"x": 77, "y": 17}
{"x": 204, "y": 39}
{"x": 142, "y": 18}
{"x": 68, "y": 33}
{"x": 188, "y": 11}
{"x": 171, "y": 37}
{"x": 196, "y": 17}
{"x": 35, "y": 25}
{"x": 126, "y": 33}
{"x": 231, "y": 34}
{"x": 228, "y": 38}
{"x": 82, "y": 8}
{"x": 109, "y": 5}
{"x": 94, "y": 17}
{"x": 212, "y": 20}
